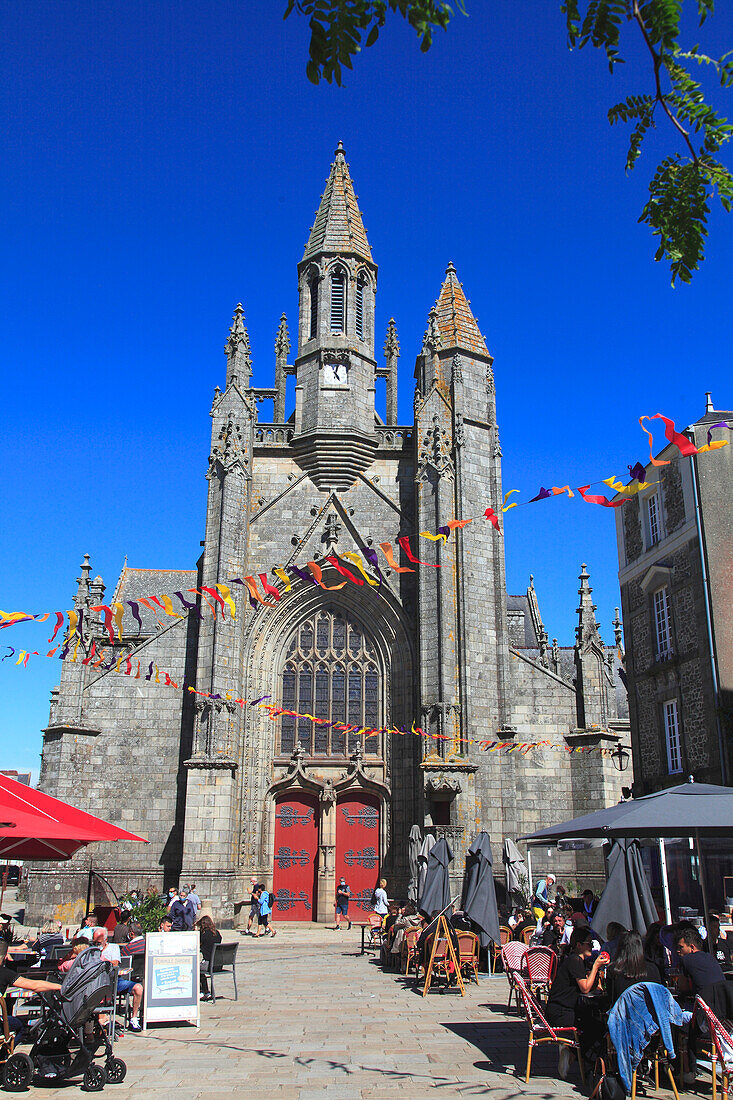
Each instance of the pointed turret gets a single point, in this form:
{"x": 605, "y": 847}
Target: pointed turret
{"x": 338, "y": 227}
{"x": 81, "y": 598}
{"x": 457, "y": 324}
{"x": 392, "y": 355}
{"x": 282, "y": 348}
{"x": 587, "y": 629}
{"x": 239, "y": 357}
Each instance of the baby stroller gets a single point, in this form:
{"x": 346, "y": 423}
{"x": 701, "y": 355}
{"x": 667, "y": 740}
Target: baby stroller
{"x": 66, "y": 1039}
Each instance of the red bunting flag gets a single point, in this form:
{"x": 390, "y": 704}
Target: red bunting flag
{"x": 270, "y": 589}
{"x": 591, "y": 498}
{"x": 493, "y": 519}
{"x": 341, "y": 568}
{"x": 405, "y": 544}
{"x": 388, "y": 551}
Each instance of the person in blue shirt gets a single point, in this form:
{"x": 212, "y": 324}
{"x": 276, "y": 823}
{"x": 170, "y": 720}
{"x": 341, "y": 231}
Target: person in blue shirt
{"x": 263, "y": 920}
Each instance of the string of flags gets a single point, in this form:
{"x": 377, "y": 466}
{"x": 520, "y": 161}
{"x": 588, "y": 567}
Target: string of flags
{"x": 218, "y": 597}
{"x": 126, "y": 665}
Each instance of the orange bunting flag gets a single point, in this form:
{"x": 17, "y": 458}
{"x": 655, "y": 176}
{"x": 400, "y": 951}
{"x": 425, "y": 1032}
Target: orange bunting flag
{"x": 388, "y": 551}
{"x": 493, "y": 519}
{"x": 557, "y": 490}
{"x": 351, "y": 556}
{"x": 453, "y": 523}
{"x": 684, "y": 445}
{"x": 318, "y": 574}
{"x": 254, "y": 592}
{"x": 150, "y": 607}
{"x": 167, "y": 606}
{"x": 405, "y": 544}
{"x": 591, "y": 498}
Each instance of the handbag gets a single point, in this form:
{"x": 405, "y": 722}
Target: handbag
{"x": 606, "y": 1085}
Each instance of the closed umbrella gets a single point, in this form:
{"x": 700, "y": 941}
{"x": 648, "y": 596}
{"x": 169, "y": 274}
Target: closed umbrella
{"x": 480, "y": 894}
{"x": 436, "y": 893}
{"x": 422, "y": 862}
{"x": 413, "y": 855}
{"x": 627, "y": 898}
{"x": 516, "y": 869}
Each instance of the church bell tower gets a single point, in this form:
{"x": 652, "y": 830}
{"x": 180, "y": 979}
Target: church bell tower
{"x": 335, "y": 436}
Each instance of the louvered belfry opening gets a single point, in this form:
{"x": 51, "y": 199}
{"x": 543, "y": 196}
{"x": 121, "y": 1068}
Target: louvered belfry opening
{"x": 313, "y": 284}
{"x": 338, "y": 302}
{"x": 331, "y": 671}
{"x": 359, "y": 311}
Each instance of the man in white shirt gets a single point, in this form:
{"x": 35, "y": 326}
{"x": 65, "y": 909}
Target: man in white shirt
{"x": 111, "y": 952}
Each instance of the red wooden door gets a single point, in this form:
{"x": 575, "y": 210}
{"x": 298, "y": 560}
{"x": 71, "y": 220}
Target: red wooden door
{"x": 357, "y": 848}
{"x": 296, "y": 851}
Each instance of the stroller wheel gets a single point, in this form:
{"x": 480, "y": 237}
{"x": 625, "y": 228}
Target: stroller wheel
{"x": 17, "y": 1073}
{"x": 95, "y": 1078}
{"x": 116, "y": 1070}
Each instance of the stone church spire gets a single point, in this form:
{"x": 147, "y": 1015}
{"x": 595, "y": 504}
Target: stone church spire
{"x": 338, "y": 227}
{"x": 239, "y": 357}
{"x": 282, "y": 349}
{"x": 457, "y": 324}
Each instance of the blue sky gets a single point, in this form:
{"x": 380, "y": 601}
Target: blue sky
{"x": 162, "y": 162}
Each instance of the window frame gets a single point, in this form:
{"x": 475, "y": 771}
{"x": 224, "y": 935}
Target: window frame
{"x": 662, "y": 623}
{"x": 672, "y": 736}
{"x": 655, "y": 530}
{"x": 359, "y": 317}
{"x": 338, "y": 277}
{"x": 313, "y": 281}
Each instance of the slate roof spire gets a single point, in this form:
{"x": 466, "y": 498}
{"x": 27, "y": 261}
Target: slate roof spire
{"x": 457, "y": 324}
{"x": 338, "y": 226}
{"x": 239, "y": 356}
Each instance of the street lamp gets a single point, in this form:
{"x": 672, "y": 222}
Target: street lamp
{"x": 621, "y": 758}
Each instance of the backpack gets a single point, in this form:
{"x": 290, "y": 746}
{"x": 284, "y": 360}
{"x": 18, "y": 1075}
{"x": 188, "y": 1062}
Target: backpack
{"x": 87, "y": 983}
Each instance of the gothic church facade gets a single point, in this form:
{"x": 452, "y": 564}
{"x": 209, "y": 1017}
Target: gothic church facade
{"x": 222, "y": 791}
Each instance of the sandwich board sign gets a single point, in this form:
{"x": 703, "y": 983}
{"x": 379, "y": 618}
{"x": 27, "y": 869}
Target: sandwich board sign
{"x": 171, "y": 978}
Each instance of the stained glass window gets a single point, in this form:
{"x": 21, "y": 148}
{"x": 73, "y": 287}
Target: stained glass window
{"x": 331, "y": 671}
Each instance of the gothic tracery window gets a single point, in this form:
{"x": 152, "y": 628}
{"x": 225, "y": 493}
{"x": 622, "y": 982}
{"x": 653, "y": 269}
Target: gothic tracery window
{"x": 331, "y": 672}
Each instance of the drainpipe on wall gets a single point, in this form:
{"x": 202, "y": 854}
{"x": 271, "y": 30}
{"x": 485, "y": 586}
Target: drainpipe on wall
{"x": 708, "y": 610}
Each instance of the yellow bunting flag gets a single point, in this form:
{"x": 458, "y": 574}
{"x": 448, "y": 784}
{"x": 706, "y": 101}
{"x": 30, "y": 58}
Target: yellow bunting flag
{"x": 354, "y": 558}
{"x": 506, "y": 506}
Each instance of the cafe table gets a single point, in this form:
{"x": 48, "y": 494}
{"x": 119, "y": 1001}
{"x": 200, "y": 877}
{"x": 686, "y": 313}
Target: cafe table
{"x": 363, "y": 924}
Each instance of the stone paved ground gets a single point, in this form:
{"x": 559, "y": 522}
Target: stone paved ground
{"x": 316, "y": 1020}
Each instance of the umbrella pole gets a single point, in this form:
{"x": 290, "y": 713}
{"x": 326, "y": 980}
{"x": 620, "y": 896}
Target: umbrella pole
{"x": 89, "y": 889}
{"x": 530, "y": 885}
{"x": 665, "y": 881}
{"x": 702, "y": 881}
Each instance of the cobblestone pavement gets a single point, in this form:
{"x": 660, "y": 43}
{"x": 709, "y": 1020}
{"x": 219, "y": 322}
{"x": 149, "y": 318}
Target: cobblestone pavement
{"x": 316, "y": 1020}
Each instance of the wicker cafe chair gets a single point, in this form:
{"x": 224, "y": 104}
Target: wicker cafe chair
{"x": 409, "y": 949}
{"x": 722, "y": 1048}
{"x": 538, "y": 970}
{"x": 468, "y": 950}
{"x": 505, "y": 935}
{"x": 375, "y": 930}
{"x": 527, "y": 935}
{"x": 511, "y": 959}
{"x": 541, "y": 1032}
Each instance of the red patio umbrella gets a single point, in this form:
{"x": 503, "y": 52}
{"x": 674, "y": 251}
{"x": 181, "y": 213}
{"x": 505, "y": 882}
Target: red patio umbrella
{"x": 33, "y": 825}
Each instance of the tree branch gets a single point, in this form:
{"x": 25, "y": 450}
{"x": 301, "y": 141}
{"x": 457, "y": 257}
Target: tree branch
{"x": 660, "y": 97}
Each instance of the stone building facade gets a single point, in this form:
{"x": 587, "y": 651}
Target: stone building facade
{"x": 223, "y": 791}
{"x": 675, "y": 545}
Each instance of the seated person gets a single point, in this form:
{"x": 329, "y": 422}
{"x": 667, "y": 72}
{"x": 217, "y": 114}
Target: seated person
{"x": 563, "y": 1009}
{"x": 209, "y": 935}
{"x": 654, "y": 950}
{"x": 9, "y": 977}
{"x": 87, "y": 927}
{"x": 121, "y": 932}
{"x": 557, "y": 934}
{"x": 111, "y": 952}
{"x": 49, "y": 936}
{"x": 614, "y": 931}
{"x": 166, "y": 925}
{"x": 136, "y": 943}
{"x": 701, "y": 976}
{"x": 716, "y": 944}
{"x": 524, "y": 922}
{"x": 590, "y": 904}
{"x": 629, "y": 967}
{"x": 77, "y": 945}
{"x": 409, "y": 919}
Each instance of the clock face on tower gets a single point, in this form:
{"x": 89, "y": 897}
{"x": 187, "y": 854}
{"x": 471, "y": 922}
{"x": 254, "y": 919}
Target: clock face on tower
{"x": 335, "y": 374}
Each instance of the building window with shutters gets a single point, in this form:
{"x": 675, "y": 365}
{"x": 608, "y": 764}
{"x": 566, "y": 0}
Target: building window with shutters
{"x": 672, "y": 736}
{"x": 359, "y": 311}
{"x": 654, "y": 519}
{"x": 338, "y": 303}
{"x": 662, "y": 625}
{"x": 331, "y": 672}
{"x": 313, "y": 285}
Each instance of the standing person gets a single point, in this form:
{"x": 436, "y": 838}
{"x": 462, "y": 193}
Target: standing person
{"x": 590, "y": 904}
{"x": 254, "y": 905}
{"x": 121, "y": 933}
{"x": 193, "y": 897}
{"x": 263, "y": 920}
{"x": 563, "y": 1010}
{"x": 541, "y": 898}
{"x": 182, "y": 912}
{"x": 381, "y": 906}
{"x": 343, "y": 893}
{"x": 111, "y": 952}
{"x": 209, "y": 937}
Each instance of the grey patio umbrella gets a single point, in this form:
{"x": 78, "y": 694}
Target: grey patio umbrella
{"x": 516, "y": 869}
{"x": 627, "y": 897}
{"x": 413, "y": 855}
{"x": 436, "y": 893}
{"x": 422, "y": 861}
{"x": 480, "y": 894}
{"x": 690, "y": 809}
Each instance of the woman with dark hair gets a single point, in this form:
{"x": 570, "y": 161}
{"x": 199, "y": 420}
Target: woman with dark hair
{"x": 629, "y": 966}
{"x": 563, "y": 1010}
{"x": 209, "y": 935}
{"x": 654, "y": 949}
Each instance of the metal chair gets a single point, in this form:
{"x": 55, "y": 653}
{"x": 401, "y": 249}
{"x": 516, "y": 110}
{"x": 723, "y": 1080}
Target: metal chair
{"x": 409, "y": 949}
{"x": 511, "y": 959}
{"x": 539, "y": 966}
{"x": 375, "y": 930}
{"x": 540, "y": 1030}
{"x": 722, "y": 1048}
{"x": 468, "y": 952}
{"x": 527, "y": 935}
{"x": 222, "y": 955}
{"x": 505, "y": 935}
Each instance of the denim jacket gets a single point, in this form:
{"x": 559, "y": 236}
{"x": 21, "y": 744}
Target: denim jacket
{"x": 639, "y": 1013}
